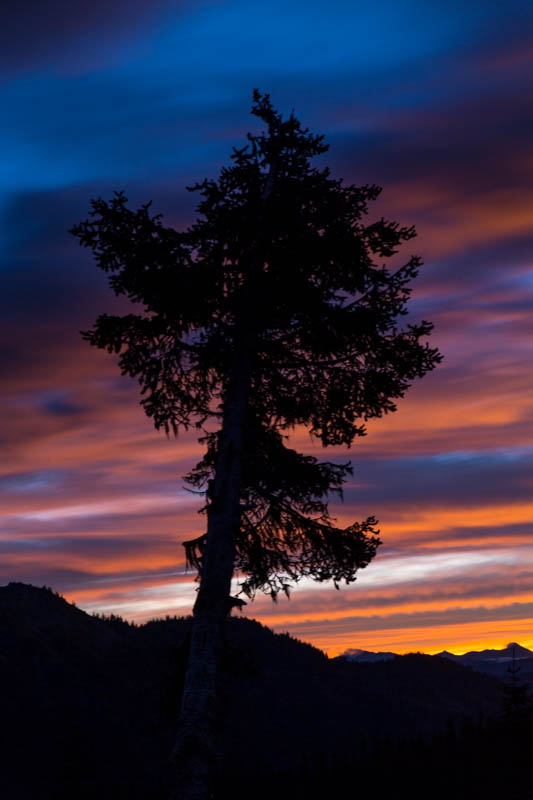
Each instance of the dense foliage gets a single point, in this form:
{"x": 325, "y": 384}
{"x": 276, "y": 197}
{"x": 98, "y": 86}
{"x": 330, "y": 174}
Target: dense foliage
{"x": 283, "y": 285}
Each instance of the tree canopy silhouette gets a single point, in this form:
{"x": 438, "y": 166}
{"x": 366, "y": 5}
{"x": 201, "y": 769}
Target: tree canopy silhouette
{"x": 275, "y": 309}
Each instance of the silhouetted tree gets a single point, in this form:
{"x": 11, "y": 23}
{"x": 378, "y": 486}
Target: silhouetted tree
{"x": 274, "y": 310}
{"x": 515, "y": 730}
{"x": 517, "y": 700}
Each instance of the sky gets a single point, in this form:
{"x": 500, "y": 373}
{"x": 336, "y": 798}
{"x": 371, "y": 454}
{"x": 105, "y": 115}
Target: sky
{"x": 433, "y": 102}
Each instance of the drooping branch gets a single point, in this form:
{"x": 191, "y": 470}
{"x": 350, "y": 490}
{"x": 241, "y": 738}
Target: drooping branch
{"x": 286, "y": 531}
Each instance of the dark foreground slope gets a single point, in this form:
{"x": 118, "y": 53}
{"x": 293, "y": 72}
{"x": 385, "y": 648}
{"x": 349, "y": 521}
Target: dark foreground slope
{"x": 89, "y": 709}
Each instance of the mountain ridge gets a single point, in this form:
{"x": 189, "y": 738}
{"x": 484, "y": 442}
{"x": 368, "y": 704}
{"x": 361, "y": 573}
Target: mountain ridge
{"x": 490, "y": 661}
{"x": 101, "y": 697}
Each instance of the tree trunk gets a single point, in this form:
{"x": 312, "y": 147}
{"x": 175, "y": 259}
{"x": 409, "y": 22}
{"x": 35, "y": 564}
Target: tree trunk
{"x": 195, "y": 745}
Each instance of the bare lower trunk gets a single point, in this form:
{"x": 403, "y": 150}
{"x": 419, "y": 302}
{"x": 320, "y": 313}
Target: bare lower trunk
{"x": 195, "y": 747}
{"x": 195, "y": 744}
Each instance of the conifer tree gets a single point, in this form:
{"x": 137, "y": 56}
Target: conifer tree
{"x": 517, "y": 700}
{"x": 275, "y": 309}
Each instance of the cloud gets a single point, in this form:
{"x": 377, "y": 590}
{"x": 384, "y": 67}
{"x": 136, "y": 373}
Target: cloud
{"x": 430, "y": 102}
{"x": 74, "y": 35}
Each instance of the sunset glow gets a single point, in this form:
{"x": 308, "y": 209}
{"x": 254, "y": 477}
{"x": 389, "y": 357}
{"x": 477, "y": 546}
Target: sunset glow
{"x": 440, "y": 115}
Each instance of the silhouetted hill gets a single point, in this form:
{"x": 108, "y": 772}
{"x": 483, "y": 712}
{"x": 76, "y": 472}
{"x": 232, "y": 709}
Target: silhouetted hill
{"x": 90, "y": 703}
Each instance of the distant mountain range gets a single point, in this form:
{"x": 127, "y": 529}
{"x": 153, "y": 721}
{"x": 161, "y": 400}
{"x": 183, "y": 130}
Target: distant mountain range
{"x": 493, "y": 662}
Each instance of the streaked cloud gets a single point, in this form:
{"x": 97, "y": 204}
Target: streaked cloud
{"x": 434, "y": 103}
